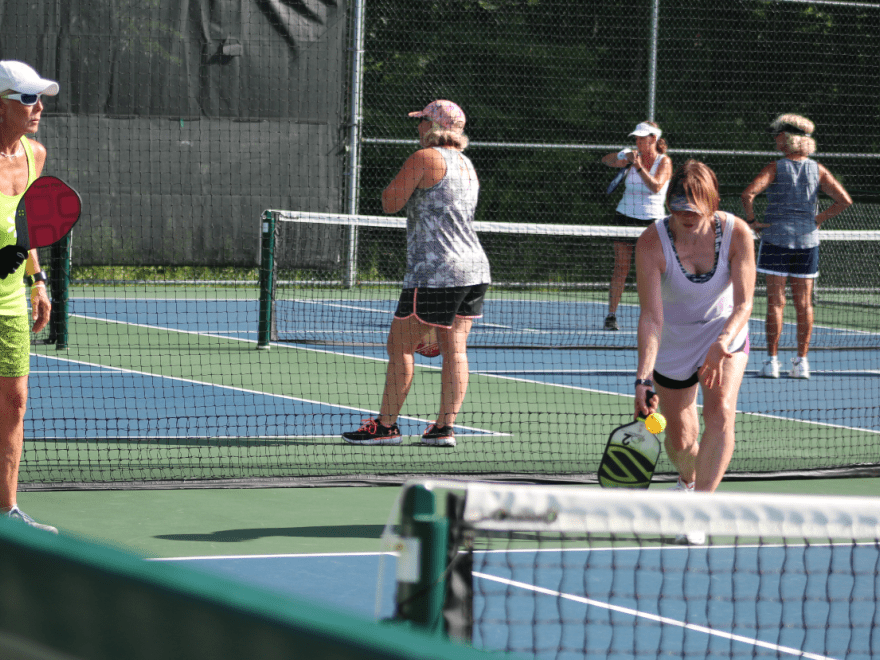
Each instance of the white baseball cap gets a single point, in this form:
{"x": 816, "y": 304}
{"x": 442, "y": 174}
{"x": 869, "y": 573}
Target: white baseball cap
{"x": 645, "y": 128}
{"x": 21, "y": 78}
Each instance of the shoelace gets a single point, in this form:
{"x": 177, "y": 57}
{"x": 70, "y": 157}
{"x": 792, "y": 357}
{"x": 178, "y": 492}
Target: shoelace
{"x": 369, "y": 425}
{"x": 433, "y": 427}
{"x": 15, "y": 512}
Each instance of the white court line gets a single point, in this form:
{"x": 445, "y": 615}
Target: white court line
{"x": 280, "y": 556}
{"x": 260, "y": 393}
{"x": 652, "y": 617}
{"x": 485, "y": 374}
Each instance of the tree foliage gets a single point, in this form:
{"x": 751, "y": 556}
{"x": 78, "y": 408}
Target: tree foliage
{"x": 576, "y": 72}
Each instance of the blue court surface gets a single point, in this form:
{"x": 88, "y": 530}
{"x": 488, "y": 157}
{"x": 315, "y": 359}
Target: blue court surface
{"x": 142, "y": 403}
{"x": 155, "y": 410}
{"x": 345, "y": 581}
{"x": 713, "y": 601}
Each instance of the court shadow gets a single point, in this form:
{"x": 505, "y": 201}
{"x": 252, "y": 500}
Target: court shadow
{"x": 239, "y": 535}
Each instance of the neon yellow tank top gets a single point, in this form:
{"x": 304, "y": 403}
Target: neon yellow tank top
{"x": 13, "y": 300}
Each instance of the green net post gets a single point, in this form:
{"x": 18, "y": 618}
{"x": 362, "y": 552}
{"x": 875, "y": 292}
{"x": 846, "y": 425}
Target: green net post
{"x": 267, "y": 280}
{"x": 424, "y": 535}
{"x": 59, "y": 274}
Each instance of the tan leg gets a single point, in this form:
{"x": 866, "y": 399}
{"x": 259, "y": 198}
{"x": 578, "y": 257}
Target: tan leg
{"x": 455, "y": 374}
{"x": 802, "y": 296}
{"x": 403, "y": 338}
{"x": 13, "y": 404}
{"x": 622, "y": 261}
{"x": 775, "y": 311}
{"x": 719, "y": 414}
{"x": 679, "y": 407}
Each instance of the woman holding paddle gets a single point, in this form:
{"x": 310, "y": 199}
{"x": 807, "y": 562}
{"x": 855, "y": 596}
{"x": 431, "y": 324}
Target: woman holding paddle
{"x": 696, "y": 279}
{"x": 21, "y": 162}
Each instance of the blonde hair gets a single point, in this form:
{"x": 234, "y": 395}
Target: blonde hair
{"x": 438, "y": 136}
{"x": 697, "y": 182}
{"x": 798, "y": 137}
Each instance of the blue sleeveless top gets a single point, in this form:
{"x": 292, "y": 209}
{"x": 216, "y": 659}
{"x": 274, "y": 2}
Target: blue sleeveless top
{"x": 792, "y": 205}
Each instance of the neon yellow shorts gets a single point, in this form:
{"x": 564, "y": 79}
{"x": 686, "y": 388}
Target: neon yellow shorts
{"x": 15, "y": 346}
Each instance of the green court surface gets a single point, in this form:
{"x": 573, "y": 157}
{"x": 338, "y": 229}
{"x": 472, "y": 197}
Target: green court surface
{"x": 180, "y": 523}
{"x": 527, "y": 412}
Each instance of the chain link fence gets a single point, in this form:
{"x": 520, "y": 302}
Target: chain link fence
{"x": 550, "y": 86}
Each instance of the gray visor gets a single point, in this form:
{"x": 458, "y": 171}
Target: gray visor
{"x": 682, "y": 204}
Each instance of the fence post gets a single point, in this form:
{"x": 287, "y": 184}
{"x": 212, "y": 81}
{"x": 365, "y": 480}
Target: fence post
{"x": 354, "y": 140}
{"x": 652, "y": 59}
{"x": 59, "y": 259}
{"x": 267, "y": 280}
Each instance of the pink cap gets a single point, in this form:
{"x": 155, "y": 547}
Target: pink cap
{"x": 445, "y": 113}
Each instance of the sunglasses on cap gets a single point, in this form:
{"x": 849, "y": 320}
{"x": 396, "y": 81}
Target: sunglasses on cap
{"x": 24, "y": 99}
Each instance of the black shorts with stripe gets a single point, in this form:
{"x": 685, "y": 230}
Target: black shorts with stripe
{"x": 440, "y": 306}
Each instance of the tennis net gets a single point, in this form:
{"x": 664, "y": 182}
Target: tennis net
{"x": 160, "y": 384}
{"x": 331, "y": 278}
{"x": 578, "y": 572}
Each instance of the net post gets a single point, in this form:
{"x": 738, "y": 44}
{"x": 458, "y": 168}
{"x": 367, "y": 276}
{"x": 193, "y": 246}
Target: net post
{"x": 60, "y": 281}
{"x": 349, "y": 278}
{"x": 420, "y": 600}
{"x": 267, "y": 277}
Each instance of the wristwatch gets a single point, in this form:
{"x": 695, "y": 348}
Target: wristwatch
{"x": 39, "y": 277}
{"x": 644, "y": 381}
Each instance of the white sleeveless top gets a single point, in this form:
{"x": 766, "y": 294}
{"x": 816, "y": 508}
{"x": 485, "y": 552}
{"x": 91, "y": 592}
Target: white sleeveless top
{"x": 638, "y": 200}
{"x": 694, "y": 314}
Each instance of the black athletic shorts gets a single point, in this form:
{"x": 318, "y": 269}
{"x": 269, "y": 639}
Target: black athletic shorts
{"x": 440, "y": 306}
{"x": 622, "y": 220}
{"x": 672, "y": 384}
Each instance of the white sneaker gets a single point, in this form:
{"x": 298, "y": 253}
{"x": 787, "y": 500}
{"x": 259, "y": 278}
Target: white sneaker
{"x": 691, "y": 538}
{"x": 684, "y": 487}
{"x": 800, "y": 368}
{"x": 17, "y": 514}
{"x": 770, "y": 368}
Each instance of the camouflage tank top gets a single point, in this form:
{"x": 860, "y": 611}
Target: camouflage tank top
{"x": 442, "y": 248}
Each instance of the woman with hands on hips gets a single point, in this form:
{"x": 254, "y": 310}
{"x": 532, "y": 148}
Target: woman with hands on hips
{"x": 790, "y": 233}
{"x": 641, "y": 204}
{"x": 696, "y": 277}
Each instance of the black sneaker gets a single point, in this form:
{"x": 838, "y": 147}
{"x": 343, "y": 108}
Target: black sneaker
{"x": 372, "y": 432}
{"x": 611, "y": 322}
{"x": 439, "y": 436}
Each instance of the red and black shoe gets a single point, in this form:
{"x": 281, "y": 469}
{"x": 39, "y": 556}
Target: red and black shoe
{"x": 372, "y": 432}
{"x": 439, "y": 436}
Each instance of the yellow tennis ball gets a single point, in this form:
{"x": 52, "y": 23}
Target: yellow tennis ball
{"x": 655, "y": 422}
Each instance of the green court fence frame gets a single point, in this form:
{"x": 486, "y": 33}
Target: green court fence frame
{"x": 63, "y": 597}
{"x": 267, "y": 279}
